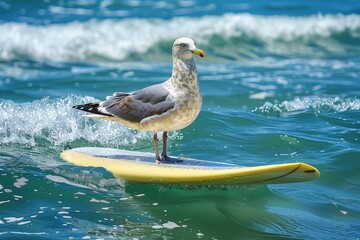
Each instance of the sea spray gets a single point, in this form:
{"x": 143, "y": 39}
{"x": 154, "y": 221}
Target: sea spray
{"x": 54, "y": 121}
{"x": 314, "y": 103}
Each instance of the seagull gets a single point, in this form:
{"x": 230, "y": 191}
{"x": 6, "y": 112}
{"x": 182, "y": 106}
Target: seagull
{"x": 168, "y": 106}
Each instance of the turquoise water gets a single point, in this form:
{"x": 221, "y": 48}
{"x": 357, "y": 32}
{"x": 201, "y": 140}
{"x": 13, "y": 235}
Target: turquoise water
{"x": 280, "y": 84}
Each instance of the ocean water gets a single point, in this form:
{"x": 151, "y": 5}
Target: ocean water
{"x": 281, "y": 83}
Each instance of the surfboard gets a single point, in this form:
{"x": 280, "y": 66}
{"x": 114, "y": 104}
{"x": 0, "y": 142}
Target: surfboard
{"x": 140, "y": 167}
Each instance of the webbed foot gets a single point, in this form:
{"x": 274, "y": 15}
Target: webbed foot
{"x": 167, "y": 160}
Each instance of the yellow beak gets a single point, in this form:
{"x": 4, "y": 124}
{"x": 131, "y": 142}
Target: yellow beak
{"x": 199, "y": 52}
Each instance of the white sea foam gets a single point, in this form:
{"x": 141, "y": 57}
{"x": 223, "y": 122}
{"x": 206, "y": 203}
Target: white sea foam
{"x": 56, "y": 122}
{"x": 117, "y": 39}
{"x": 6, "y": 201}
{"x": 13, "y": 219}
{"x": 99, "y": 201}
{"x": 261, "y": 95}
{"x": 59, "y": 179}
{"x": 29, "y": 233}
{"x": 21, "y": 182}
{"x": 24, "y": 223}
{"x": 318, "y": 104}
{"x": 167, "y": 225}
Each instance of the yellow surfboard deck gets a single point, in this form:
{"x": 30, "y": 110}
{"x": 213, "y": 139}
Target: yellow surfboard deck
{"x": 141, "y": 167}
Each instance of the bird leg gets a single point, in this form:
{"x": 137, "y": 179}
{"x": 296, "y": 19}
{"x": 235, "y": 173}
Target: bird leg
{"x": 156, "y": 145}
{"x": 164, "y": 157}
{"x": 164, "y": 152}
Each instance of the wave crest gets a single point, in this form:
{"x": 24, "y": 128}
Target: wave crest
{"x": 118, "y": 40}
{"x": 318, "y": 104}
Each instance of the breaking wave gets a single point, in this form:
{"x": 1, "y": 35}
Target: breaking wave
{"x": 230, "y": 36}
{"x": 317, "y": 104}
{"x": 55, "y": 122}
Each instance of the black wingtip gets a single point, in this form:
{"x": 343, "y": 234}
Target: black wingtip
{"x": 90, "y": 107}
{"x": 84, "y": 107}
{"x": 79, "y": 107}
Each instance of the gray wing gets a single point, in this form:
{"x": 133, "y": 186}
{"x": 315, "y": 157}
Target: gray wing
{"x": 136, "y": 106}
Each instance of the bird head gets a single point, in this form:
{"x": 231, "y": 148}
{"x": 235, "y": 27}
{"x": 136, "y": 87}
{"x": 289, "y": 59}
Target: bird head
{"x": 184, "y": 48}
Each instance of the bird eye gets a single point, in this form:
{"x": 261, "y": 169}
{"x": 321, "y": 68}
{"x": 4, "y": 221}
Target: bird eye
{"x": 182, "y": 44}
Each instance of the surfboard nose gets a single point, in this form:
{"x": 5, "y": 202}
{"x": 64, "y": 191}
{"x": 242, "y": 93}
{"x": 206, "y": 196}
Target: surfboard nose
{"x": 309, "y": 170}
{"x": 302, "y": 173}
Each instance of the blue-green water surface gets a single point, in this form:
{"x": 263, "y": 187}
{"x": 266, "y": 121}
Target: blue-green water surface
{"x": 281, "y": 83}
